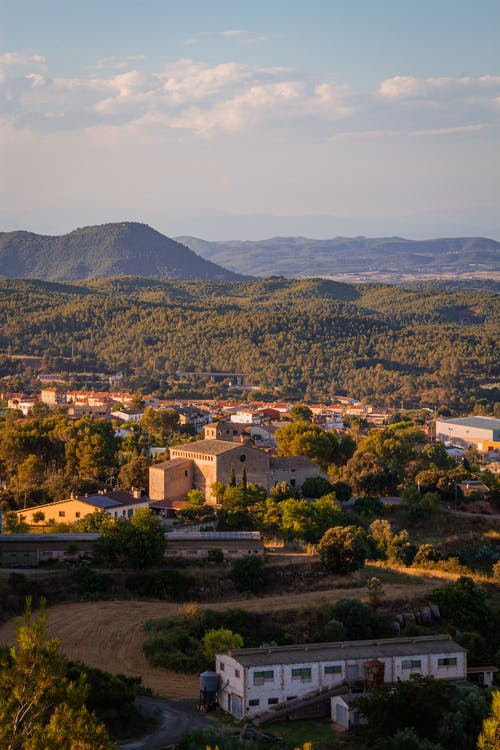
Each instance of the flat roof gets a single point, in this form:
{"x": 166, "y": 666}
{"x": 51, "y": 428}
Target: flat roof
{"x": 341, "y": 650}
{"x": 483, "y": 423}
{"x": 213, "y": 536}
{"x": 83, "y": 537}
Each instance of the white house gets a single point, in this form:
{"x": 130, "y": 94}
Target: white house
{"x": 253, "y": 681}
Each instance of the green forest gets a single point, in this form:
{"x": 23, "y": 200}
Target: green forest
{"x": 424, "y": 345}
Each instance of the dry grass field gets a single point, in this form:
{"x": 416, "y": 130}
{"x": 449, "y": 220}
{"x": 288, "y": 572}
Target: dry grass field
{"x": 109, "y": 634}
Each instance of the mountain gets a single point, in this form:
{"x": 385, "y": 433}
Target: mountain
{"x": 387, "y": 258}
{"x": 127, "y": 248}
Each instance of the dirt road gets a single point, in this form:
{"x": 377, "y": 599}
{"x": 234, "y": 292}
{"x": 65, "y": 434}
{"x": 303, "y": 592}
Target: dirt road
{"x": 109, "y": 634}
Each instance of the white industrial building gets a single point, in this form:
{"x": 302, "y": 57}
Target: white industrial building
{"x": 254, "y": 681}
{"x": 482, "y": 433}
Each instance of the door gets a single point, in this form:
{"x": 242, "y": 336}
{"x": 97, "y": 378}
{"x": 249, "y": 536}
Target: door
{"x": 235, "y": 705}
{"x": 342, "y": 715}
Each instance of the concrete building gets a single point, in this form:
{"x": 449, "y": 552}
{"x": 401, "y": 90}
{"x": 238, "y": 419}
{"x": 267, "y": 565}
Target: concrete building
{"x": 481, "y": 433}
{"x": 255, "y": 681}
{"x": 29, "y": 550}
{"x": 197, "y": 546}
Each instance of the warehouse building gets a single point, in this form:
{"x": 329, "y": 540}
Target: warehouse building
{"x": 481, "y": 433}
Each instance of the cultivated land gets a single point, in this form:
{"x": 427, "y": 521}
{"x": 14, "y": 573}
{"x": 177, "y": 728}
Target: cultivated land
{"x": 109, "y": 635}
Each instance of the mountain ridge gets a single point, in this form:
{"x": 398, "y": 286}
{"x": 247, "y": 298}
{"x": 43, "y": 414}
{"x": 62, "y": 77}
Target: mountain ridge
{"x": 102, "y": 251}
{"x": 302, "y": 256}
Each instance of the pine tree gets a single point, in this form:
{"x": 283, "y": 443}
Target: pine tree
{"x": 232, "y": 477}
{"x": 39, "y": 707}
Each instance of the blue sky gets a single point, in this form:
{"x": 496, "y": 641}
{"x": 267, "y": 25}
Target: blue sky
{"x": 244, "y": 119}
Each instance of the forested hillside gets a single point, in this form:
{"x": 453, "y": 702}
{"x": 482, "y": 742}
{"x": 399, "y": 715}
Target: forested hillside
{"x": 310, "y": 339}
{"x": 390, "y": 258}
{"x": 127, "y": 248}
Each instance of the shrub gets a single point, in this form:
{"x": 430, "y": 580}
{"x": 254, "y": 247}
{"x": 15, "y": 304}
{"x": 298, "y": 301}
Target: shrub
{"x": 343, "y": 549}
{"x": 248, "y": 574}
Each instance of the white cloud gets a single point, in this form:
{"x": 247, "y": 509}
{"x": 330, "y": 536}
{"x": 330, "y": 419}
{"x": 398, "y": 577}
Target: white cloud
{"x": 229, "y": 97}
{"x": 408, "y": 87}
{"x": 16, "y": 60}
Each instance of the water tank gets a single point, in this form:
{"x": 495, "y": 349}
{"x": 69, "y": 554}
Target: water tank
{"x": 209, "y": 684}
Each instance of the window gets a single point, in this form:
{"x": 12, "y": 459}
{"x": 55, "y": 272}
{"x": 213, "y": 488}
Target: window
{"x": 61, "y": 514}
{"x": 222, "y": 666}
{"x": 236, "y": 672}
{"x": 243, "y": 458}
{"x": 291, "y": 697}
{"x": 448, "y": 661}
{"x": 411, "y": 664}
{"x": 185, "y": 472}
{"x": 333, "y": 669}
{"x": 253, "y": 702}
{"x": 272, "y": 701}
{"x": 302, "y": 673}
{"x": 259, "y": 678}
{"x": 77, "y": 514}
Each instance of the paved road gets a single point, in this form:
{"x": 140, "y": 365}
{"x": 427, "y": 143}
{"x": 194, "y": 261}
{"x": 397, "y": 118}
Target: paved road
{"x": 176, "y": 718}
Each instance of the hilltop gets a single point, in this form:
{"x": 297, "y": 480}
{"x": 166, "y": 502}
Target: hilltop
{"x": 389, "y": 259}
{"x": 126, "y": 248}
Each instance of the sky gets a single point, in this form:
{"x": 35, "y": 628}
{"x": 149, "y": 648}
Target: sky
{"x": 251, "y": 118}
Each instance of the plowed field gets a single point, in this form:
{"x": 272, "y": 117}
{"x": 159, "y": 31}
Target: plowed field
{"x": 109, "y": 635}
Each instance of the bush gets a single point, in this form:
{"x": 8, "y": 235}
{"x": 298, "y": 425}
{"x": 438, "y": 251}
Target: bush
{"x": 163, "y": 584}
{"x": 315, "y": 487}
{"x": 248, "y": 574}
{"x": 343, "y": 549}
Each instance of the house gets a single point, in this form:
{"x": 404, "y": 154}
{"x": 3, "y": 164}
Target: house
{"x": 53, "y": 396}
{"x": 117, "y": 503}
{"x": 23, "y": 403}
{"x": 254, "y": 681}
{"x": 232, "y": 431}
{"x": 128, "y": 415}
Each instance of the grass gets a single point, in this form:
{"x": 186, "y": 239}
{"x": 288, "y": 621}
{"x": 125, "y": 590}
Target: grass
{"x": 319, "y": 732}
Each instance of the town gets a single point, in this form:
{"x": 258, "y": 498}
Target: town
{"x": 247, "y": 493}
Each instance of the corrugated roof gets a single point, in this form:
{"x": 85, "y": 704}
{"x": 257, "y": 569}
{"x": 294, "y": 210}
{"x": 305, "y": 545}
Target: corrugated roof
{"x": 82, "y": 537}
{"x": 213, "y": 536}
{"x": 482, "y": 423}
{"x": 315, "y": 652}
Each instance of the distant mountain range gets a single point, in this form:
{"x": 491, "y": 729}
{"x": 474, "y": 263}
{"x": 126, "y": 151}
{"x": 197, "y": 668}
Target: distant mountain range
{"x": 384, "y": 258}
{"x": 133, "y": 249}
{"x": 126, "y": 248}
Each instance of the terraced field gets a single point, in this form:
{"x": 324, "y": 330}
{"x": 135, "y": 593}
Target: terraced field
{"x": 109, "y": 635}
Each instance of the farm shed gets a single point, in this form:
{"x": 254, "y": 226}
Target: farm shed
{"x": 258, "y": 680}
{"x": 29, "y": 550}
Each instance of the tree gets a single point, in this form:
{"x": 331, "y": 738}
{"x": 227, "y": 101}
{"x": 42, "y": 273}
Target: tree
{"x": 135, "y": 473}
{"x": 138, "y": 543}
{"x": 343, "y": 549}
{"x": 375, "y": 591}
{"x": 300, "y": 413}
{"x": 304, "y": 439}
{"x": 282, "y": 491}
{"x": 314, "y": 487}
{"x": 218, "y": 489}
{"x": 248, "y": 573}
{"x": 219, "y": 640}
{"x": 489, "y": 739}
{"x": 39, "y": 707}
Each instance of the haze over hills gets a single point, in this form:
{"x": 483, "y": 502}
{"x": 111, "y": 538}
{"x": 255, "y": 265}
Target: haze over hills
{"x": 126, "y": 248}
{"x": 383, "y": 258}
